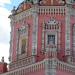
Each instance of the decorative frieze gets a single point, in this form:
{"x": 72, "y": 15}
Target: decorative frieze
{"x": 24, "y": 14}
{"x": 55, "y": 10}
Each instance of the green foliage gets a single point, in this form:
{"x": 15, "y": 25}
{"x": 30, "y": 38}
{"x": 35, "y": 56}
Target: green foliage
{"x": 30, "y": 1}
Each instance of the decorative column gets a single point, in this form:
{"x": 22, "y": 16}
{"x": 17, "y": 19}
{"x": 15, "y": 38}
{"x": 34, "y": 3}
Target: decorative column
{"x": 51, "y": 2}
{"x": 67, "y": 32}
{"x": 35, "y": 31}
{"x": 17, "y": 42}
{"x": 11, "y": 37}
{"x": 50, "y": 66}
{"x": 43, "y": 32}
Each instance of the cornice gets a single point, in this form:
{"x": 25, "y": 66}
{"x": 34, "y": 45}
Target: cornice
{"x": 39, "y": 10}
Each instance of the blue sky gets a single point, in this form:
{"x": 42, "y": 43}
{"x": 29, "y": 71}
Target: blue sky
{"x": 13, "y": 3}
{"x": 5, "y": 10}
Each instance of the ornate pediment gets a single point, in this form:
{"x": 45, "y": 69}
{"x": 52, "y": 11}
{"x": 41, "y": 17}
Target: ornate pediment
{"x": 52, "y": 22}
{"x": 22, "y": 28}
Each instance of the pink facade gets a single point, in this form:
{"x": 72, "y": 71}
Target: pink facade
{"x": 37, "y": 73}
{"x": 3, "y": 66}
{"x": 63, "y": 73}
{"x": 62, "y": 33}
{"x": 41, "y": 18}
{"x": 16, "y": 27}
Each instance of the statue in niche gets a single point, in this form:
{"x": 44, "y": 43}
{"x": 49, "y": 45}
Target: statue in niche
{"x": 23, "y": 46}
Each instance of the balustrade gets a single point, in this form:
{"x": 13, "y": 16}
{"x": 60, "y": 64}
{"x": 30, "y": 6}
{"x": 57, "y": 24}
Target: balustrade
{"x": 65, "y": 66}
{"x": 55, "y": 10}
{"x": 42, "y": 66}
{"x": 22, "y": 62}
{"x": 51, "y": 10}
{"x": 28, "y": 69}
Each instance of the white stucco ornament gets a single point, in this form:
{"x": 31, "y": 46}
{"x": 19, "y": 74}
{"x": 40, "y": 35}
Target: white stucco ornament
{"x": 22, "y": 27}
{"x": 52, "y": 22}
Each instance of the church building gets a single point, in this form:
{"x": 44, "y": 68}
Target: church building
{"x": 42, "y": 38}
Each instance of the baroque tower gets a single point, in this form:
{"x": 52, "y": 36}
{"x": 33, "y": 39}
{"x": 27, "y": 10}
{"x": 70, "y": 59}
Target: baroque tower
{"x": 43, "y": 38}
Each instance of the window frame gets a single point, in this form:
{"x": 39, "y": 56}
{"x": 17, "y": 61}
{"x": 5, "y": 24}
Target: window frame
{"x": 23, "y": 34}
{"x": 51, "y": 38}
{"x": 46, "y": 38}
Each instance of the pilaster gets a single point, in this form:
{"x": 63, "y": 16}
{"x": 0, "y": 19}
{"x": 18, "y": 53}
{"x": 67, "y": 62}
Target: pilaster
{"x": 11, "y": 37}
{"x": 43, "y": 37}
{"x": 67, "y": 30}
{"x": 35, "y": 31}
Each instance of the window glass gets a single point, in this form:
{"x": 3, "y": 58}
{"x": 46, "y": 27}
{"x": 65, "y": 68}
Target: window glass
{"x": 51, "y": 39}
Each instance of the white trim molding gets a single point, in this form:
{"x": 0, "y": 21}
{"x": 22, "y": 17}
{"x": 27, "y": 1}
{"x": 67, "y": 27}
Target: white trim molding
{"x": 22, "y": 33}
{"x": 52, "y": 27}
{"x": 67, "y": 31}
{"x": 35, "y": 31}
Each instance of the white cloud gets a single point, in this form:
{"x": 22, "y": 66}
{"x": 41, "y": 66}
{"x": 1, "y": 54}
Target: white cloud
{"x": 4, "y": 24}
{"x": 5, "y": 1}
{"x": 4, "y": 51}
{"x": 4, "y": 32}
{"x": 2, "y": 2}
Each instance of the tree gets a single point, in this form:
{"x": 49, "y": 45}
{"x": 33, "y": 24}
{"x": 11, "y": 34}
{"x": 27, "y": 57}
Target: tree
{"x": 29, "y": 1}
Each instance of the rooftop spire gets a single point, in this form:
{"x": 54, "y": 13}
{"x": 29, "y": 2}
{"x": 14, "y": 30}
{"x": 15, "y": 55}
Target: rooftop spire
{"x": 2, "y": 59}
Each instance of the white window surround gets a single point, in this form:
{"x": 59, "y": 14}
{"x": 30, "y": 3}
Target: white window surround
{"x": 23, "y": 35}
{"x": 56, "y": 32}
{"x": 52, "y": 21}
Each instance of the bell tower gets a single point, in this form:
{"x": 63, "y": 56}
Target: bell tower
{"x": 41, "y": 38}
